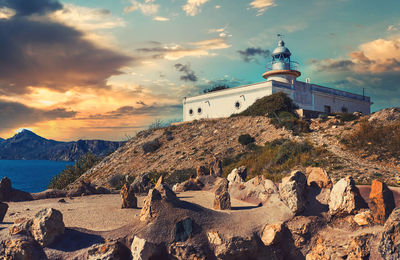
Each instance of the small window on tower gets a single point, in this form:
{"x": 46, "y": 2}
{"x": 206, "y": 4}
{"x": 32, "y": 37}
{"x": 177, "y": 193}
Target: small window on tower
{"x": 237, "y": 104}
{"x": 344, "y": 110}
{"x": 199, "y": 110}
{"x": 191, "y": 112}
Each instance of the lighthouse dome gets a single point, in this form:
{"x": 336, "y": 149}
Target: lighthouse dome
{"x": 281, "y": 49}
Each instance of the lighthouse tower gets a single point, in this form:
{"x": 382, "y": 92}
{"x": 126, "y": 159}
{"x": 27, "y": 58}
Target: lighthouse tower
{"x": 281, "y": 67}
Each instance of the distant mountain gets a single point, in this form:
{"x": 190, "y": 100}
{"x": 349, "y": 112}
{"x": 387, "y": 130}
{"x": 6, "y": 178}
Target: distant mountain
{"x": 1, "y": 139}
{"x": 27, "y": 145}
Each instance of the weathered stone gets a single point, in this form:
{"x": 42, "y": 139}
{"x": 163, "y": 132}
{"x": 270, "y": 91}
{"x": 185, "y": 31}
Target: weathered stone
{"x": 257, "y": 190}
{"x": 21, "y": 226}
{"x": 317, "y": 176}
{"x": 345, "y": 198}
{"x": 183, "y": 230}
{"x": 222, "y": 199}
{"x": 108, "y": 251}
{"x": 271, "y": 234}
{"x": 302, "y": 228}
{"x": 24, "y": 248}
{"x": 364, "y": 218}
{"x": 184, "y": 251}
{"x": 389, "y": 247}
{"x": 129, "y": 199}
{"x": 141, "y": 184}
{"x": 216, "y": 167}
{"x": 167, "y": 193}
{"x": 47, "y": 225}
{"x": 148, "y": 211}
{"x": 5, "y": 189}
{"x": 159, "y": 182}
{"x": 292, "y": 190}
{"x": 86, "y": 188}
{"x": 359, "y": 247}
{"x": 3, "y": 210}
{"x": 214, "y": 238}
{"x": 382, "y": 201}
{"x": 201, "y": 171}
{"x": 191, "y": 184}
{"x": 142, "y": 249}
{"x": 237, "y": 175}
{"x": 236, "y": 247}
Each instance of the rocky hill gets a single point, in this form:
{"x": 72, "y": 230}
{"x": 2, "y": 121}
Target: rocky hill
{"x": 191, "y": 144}
{"x": 27, "y": 145}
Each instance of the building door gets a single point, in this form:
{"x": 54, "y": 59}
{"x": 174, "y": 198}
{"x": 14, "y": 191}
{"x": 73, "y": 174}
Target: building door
{"x": 327, "y": 109}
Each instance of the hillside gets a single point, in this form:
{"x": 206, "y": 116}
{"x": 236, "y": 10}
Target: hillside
{"x": 27, "y": 145}
{"x": 188, "y": 145}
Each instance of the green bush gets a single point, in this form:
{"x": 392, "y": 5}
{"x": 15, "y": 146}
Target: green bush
{"x": 71, "y": 173}
{"x": 151, "y": 146}
{"x": 245, "y": 139}
{"x": 179, "y": 176}
{"x": 117, "y": 181}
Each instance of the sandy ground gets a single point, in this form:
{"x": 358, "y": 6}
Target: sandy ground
{"x": 102, "y": 212}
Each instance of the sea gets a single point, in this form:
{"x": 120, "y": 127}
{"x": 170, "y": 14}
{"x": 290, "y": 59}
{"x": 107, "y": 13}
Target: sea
{"x": 31, "y": 175}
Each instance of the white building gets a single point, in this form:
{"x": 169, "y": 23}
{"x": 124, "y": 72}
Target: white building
{"x": 280, "y": 77}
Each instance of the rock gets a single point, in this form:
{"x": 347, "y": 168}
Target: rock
{"x": 141, "y": 184}
{"x": 317, "y": 176}
{"x": 222, "y": 199}
{"x": 49, "y": 193}
{"x": 5, "y": 189}
{"x": 159, "y": 182}
{"x": 382, "y": 201}
{"x": 86, "y": 188}
{"x": 184, "y": 251}
{"x": 183, "y": 230}
{"x": 143, "y": 250}
{"x": 271, "y": 234}
{"x": 214, "y": 238}
{"x": 216, "y": 167}
{"x": 238, "y": 175}
{"x": 108, "y": 251}
{"x": 47, "y": 225}
{"x": 236, "y": 247}
{"x": 3, "y": 210}
{"x": 359, "y": 247}
{"x": 21, "y": 226}
{"x": 292, "y": 190}
{"x": 389, "y": 246}
{"x": 257, "y": 190}
{"x": 24, "y": 248}
{"x": 128, "y": 197}
{"x": 61, "y": 201}
{"x": 364, "y": 218}
{"x": 345, "y": 198}
{"x": 167, "y": 193}
{"x": 191, "y": 184}
{"x": 302, "y": 228}
{"x": 148, "y": 211}
{"x": 201, "y": 171}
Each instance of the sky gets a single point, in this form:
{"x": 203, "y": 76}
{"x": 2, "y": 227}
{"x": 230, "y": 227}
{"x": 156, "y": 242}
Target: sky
{"x": 106, "y": 69}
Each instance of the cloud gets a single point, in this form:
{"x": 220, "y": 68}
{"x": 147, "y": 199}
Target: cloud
{"x": 161, "y": 19}
{"x": 262, "y": 5}
{"x": 14, "y": 115}
{"x": 189, "y": 75}
{"x": 249, "y": 54}
{"x": 44, "y": 53}
{"x": 147, "y": 8}
{"x": 193, "y": 7}
{"x": 6, "y": 13}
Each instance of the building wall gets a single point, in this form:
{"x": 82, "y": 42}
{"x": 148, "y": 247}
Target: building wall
{"x": 336, "y": 103}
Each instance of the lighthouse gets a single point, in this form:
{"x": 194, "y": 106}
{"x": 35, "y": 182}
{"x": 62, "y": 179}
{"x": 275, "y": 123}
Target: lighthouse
{"x": 281, "y": 68}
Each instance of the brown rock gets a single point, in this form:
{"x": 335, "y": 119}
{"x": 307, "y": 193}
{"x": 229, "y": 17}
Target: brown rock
{"x": 222, "y": 199}
{"x": 86, "y": 188}
{"x": 345, "y": 198}
{"x": 142, "y": 183}
{"x": 302, "y": 228}
{"x": 364, "y": 218}
{"x": 216, "y": 167}
{"x": 318, "y": 177}
{"x": 110, "y": 250}
{"x": 167, "y": 194}
{"x": 382, "y": 201}
{"x": 238, "y": 175}
{"x": 191, "y": 184}
{"x": 389, "y": 247}
{"x": 22, "y": 249}
{"x": 271, "y": 234}
{"x": 128, "y": 197}
{"x": 3, "y": 210}
{"x": 5, "y": 189}
{"x": 201, "y": 171}
{"x": 47, "y": 225}
{"x": 184, "y": 251}
{"x": 141, "y": 249}
{"x": 21, "y": 226}
{"x": 159, "y": 182}
{"x": 149, "y": 211}
{"x": 359, "y": 247}
{"x": 292, "y": 190}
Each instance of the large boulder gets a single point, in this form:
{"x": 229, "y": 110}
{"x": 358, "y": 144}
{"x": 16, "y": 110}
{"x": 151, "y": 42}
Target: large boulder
{"x": 3, "y": 210}
{"x": 141, "y": 249}
{"x": 222, "y": 200}
{"x": 257, "y": 190}
{"x": 191, "y": 184}
{"x": 237, "y": 175}
{"x": 108, "y": 251}
{"x": 216, "y": 167}
{"x": 232, "y": 246}
{"x": 21, "y": 248}
{"x": 84, "y": 188}
{"x": 359, "y": 247}
{"x": 293, "y": 191}
{"x": 186, "y": 251}
{"x": 318, "y": 177}
{"x": 128, "y": 197}
{"x": 364, "y": 218}
{"x": 149, "y": 210}
{"x": 142, "y": 183}
{"x": 5, "y": 189}
{"x": 271, "y": 234}
{"x": 201, "y": 170}
{"x": 382, "y": 201}
{"x": 345, "y": 198}
{"x": 47, "y": 225}
{"x": 389, "y": 247}
{"x": 302, "y": 228}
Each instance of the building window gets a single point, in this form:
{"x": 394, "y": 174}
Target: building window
{"x": 199, "y": 110}
{"x": 191, "y": 112}
{"x": 237, "y": 104}
{"x": 327, "y": 109}
{"x": 344, "y": 110}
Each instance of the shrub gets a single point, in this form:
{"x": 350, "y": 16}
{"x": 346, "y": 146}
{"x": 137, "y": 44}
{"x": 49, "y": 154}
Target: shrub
{"x": 245, "y": 139}
{"x": 179, "y": 176}
{"x": 117, "y": 181}
{"x": 151, "y": 146}
{"x": 346, "y": 117}
{"x": 71, "y": 173}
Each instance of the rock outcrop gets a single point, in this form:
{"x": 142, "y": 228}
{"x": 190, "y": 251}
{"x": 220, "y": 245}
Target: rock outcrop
{"x": 141, "y": 249}
{"x": 222, "y": 199}
{"x": 257, "y": 190}
{"x": 84, "y": 188}
{"x": 216, "y": 167}
{"x": 191, "y": 184}
{"x": 271, "y": 234}
{"x": 3, "y": 210}
{"x": 292, "y": 190}
{"x": 107, "y": 251}
{"x": 141, "y": 184}
{"x": 364, "y": 218}
{"x": 128, "y": 197}
{"x": 237, "y": 175}
{"x": 345, "y": 198}
{"x": 7, "y": 193}
{"x": 382, "y": 201}
{"x": 318, "y": 177}
{"x": 201, "y": 170}
{"x": 21, "y": 248}
{"x": 389, "y": 246}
